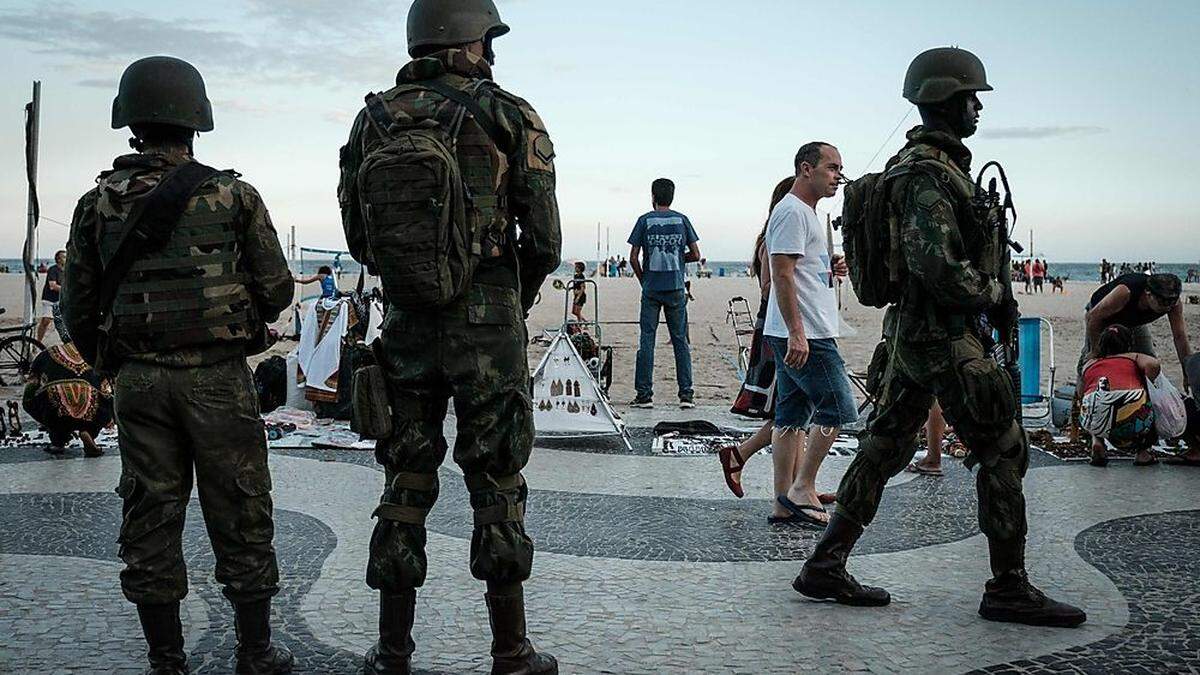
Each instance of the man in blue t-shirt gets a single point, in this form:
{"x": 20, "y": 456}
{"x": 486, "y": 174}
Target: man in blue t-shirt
{"x": 662, "y": 242}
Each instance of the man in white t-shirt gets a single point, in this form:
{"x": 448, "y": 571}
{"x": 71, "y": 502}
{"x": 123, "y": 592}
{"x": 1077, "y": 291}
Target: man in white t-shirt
{"x": 811, "y": 386}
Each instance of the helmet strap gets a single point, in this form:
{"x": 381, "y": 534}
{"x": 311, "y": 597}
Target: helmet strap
{"x": 488, "y": 52}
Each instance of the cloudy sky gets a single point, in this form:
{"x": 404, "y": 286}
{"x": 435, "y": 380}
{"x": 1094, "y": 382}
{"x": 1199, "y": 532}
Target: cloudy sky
{"x": 1094, "y": 113}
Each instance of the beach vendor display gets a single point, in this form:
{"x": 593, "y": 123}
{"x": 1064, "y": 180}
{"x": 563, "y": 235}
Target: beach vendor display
{"x": 66, "y": 396}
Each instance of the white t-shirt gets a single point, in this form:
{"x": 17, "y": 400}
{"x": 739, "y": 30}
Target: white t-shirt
{"x": 794, "y": 229}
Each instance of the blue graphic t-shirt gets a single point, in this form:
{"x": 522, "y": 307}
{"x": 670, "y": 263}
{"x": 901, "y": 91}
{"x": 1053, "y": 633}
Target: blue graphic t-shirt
{"x": 664, "y": 237}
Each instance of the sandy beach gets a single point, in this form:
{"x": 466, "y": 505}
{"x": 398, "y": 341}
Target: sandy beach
{"x": 714, "y": 349}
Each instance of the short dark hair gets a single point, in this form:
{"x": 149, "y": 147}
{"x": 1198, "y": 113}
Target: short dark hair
{"x": 663, "y": 191}
{"x": 324, "y": 269}
{"x": 809, "y": 153}
{"x": 1116, "y": 339}
{"x": 1165, "y": 286}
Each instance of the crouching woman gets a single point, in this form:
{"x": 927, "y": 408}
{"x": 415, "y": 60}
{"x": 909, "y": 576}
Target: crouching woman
{"x": 1116, "y": 405}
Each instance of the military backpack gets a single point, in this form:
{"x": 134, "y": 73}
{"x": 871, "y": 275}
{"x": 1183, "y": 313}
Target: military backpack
{"x": 424, "y": 232}
{"x": 871, "y": 226}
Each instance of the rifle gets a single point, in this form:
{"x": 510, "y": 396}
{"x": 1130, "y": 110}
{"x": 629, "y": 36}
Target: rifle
{"x": 996, "y": 212}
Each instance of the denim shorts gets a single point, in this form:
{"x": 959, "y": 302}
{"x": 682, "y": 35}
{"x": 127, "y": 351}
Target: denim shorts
{"x": 818, "y": 392}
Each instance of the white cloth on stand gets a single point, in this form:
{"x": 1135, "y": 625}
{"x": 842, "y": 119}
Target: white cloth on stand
{"x": 320, "y": 359}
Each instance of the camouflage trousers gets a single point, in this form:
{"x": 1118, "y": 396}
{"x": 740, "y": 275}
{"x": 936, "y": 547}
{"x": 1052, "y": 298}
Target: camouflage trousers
{"x": 471, "y": 351}
{"x": 173, "y": 421}
{"x": 976, "y": 397}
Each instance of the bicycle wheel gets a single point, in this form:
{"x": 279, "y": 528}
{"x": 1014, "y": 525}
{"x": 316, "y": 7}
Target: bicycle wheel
{"x": 16, "y": 356}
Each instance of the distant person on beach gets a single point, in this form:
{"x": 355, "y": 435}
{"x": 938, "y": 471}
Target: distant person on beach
{"x": 1039, "y": 275}
{"x": 801, "y": 328}
{"x": 1027, "y": 272}
{"x": 1135, "y": 301}
{"x": 661, "y": 243}
{"x": 757, "y": 395}
{"x": 51, "y": 290}
{"x": 325, "y": 276}
{"x": 578, "y": 291}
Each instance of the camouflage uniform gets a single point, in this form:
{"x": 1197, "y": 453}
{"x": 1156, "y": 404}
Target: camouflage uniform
{"x": 176, "y": 341}
{"x": 932, "y": 347}
{"x": 472, "y": 350}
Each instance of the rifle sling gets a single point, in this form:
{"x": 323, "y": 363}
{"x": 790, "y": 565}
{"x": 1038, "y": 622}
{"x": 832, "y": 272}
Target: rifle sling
{"x": 150, "y": 225}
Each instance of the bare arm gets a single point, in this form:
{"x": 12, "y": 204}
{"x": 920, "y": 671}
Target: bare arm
{"x": 783, "y": 268}
{"x": 306, "y": 280}
{"x": 764, "y": 271}
{"x": 693, "y": 253}
{"x": 1149, "y": 365}
{"x": 1179, "y": 334}
{"x": 635, "y": 261}
{"x": 1097, "y": 317}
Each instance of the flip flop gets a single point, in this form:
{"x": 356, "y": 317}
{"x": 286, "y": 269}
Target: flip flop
{"x": 725, "y": 454}
{"x": 783, "y": 520}
{"x": 916, "y": 468}
{"x": 801, "y": 511}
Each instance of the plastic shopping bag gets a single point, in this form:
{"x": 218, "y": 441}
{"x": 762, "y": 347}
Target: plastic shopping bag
{"x": 1170, "y": 414}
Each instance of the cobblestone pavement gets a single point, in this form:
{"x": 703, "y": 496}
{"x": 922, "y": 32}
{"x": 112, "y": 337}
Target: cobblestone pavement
{"x": 644, "y": 565}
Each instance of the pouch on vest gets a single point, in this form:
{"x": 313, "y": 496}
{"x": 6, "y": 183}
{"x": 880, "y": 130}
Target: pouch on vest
{"x": 371, "y": 412}
{"x": 423, "y": 230}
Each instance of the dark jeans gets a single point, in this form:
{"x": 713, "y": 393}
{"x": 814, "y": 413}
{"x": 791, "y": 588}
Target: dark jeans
{"x": 674, "y": 305}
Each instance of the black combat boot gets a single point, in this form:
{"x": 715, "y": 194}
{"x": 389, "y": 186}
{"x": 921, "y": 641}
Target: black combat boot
{"x": 824, "y": 575}
{"x": 1009, "y": 597}
{"x": 255, "y": 653}
{"x": 164, "y": 636}
{"x": 512, "y": 654}
{"x": 392, "y": 653}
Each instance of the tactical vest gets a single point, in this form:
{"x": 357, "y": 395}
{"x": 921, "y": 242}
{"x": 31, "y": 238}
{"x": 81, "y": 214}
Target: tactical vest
{"x": 191, "y": 292}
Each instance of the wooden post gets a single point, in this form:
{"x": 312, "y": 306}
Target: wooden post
{"x": 30, "y": 251}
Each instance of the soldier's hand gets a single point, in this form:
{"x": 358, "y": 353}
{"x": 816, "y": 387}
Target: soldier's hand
{"x": 797, "y": 353}
{"x": 840, "y": 268}
{"x": 1004, "y": 314}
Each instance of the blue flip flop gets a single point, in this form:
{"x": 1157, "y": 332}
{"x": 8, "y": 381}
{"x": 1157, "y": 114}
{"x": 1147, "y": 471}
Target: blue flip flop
{"x": 802, "y": 511}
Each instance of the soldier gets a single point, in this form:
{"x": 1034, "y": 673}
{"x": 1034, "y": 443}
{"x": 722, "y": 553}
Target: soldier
{"x": 172, "y": 323}
{"x": 932, "y": 348}
{"x": 469, "y": 344}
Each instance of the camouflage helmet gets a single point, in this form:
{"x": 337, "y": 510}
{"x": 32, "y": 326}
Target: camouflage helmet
{"x": 445, "y": 23}
{"x": 937, "y": 74}
{"x": 162, "y": 90}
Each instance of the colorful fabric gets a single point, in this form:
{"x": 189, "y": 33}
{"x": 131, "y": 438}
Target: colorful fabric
{"x": 1133, "y": 428}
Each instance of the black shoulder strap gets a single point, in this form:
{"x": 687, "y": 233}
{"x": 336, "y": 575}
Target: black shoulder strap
{"x": 378, "y": 113}
{"x": 151, "y": 224}
{"x": 485, "y": 120}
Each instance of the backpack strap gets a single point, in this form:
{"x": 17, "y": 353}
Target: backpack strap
{"x": 151, "y": 224}
{"x": 378, "y": 113}
{"x": 466, "y": 100}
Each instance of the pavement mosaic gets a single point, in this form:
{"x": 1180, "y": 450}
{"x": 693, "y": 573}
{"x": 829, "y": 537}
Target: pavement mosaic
{"x": 644, "y": 565}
